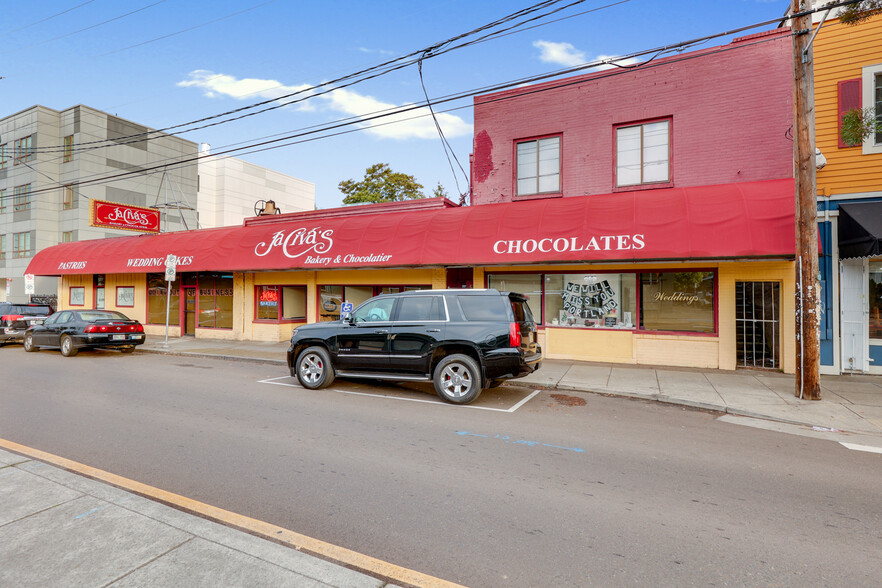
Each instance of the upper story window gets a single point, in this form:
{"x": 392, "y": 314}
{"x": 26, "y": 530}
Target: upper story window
{"x": 24, "y": 149}
{"x": 2, "y": 246}
{"x": 871, "y": 78}
{"x": 643, "y": 153}
{"x": 3, "y": 203}
{"x": 877, "y": 88}
{"x": 67, "y": 197}
{"x": 4, "y": 156}
{"x": 21, "y": 245}
{"x": 21, "y": 198}
{"x": 538, "y": 166}
{"x": 68, "y": 149}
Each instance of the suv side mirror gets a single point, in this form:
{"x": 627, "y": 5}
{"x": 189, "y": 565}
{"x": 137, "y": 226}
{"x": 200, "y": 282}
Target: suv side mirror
{"x": 347, "y": 318}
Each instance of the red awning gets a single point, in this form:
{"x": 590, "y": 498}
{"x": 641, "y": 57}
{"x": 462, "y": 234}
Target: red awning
{"x": 754, "y": 219}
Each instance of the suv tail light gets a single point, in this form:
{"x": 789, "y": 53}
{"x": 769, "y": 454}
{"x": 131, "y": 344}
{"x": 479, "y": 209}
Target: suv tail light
{"x": 514, "y": 335}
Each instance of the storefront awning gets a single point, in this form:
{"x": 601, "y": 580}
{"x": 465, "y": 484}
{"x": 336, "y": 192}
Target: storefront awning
{"x": 860, "y": 229}
{"x": 752, "y": 219}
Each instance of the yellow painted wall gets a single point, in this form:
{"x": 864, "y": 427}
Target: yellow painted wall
{"x": 75, "y": 281}
{"x": 696, "y": 351}
{"x": 840, "y": 52}
{"x": 589, "y": 345}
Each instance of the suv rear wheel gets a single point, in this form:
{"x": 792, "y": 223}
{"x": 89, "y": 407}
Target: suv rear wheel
{"x": 313, "y": 367}
{"x": 457, "y": 379}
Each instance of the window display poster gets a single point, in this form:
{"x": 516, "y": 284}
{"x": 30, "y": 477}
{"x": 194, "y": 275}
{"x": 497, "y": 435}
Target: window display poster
{"x": 125, "y": 296}
{"x": 592, "y": 301}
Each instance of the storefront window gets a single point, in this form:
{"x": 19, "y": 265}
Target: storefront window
{"x": 331, "y": 298}
{"x": 530, "y": 285}
{"x": 156, "y": 298}
{"x": 875, "y": 296}
{"x": 677, "y": 301}
{"x": 281, "y": 303}
{"x": 590, "y": 300}
{"x": 215, "y": 301}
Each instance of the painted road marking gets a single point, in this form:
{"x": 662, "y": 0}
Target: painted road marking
{"x": 856, "y": 447}
{"x": 334, "y": 553}
{"x": 508, "y": 439}
{"x": 391, "y": 397}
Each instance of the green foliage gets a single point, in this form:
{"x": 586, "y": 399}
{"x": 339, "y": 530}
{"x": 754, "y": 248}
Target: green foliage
{"x": 381, "y": 184}
{"x": 858, "y": 13}
{"x": 857, "y": 125}
{"x": 439, "y": 191}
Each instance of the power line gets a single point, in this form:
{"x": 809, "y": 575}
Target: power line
{"x": 27, "y": 26}
{"x": 83, "y": 29}
{"x": 299, "y": 136}
{"x": 383, "y": 69}
{"x": 188, "y": 29}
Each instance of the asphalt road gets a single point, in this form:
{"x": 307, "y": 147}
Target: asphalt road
{"x": 567, "y": 490}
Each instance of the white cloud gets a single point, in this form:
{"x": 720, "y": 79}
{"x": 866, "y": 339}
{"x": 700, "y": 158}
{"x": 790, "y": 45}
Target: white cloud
{"x": 379, "y": 51}
{"x": 560, "y": 53}
{"x": 567, "y": 55}
{"x": 413, "y": 124}
{"x": 214, "y": 85}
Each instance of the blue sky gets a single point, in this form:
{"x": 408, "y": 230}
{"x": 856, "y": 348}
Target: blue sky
{"x": 166, "y": 62}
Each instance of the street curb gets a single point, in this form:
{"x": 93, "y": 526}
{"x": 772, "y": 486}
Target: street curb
{"x": 341, "y": 556}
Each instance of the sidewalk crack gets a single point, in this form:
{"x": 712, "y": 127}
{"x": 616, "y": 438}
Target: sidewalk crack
{"x": 149, "y": 561}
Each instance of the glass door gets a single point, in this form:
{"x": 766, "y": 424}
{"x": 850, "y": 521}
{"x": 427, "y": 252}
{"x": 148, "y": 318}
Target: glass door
{"x": 189, "y": 311}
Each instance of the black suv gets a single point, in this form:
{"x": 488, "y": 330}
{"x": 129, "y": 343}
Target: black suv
{"x": 16, "y": 318}
{"x": 462, "y": 340}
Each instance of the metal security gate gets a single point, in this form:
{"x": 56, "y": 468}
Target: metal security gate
{"x": 758, "y": 324}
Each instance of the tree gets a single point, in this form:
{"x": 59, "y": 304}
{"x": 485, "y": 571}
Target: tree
{"x": 381, "y": 184}
{"x": 439, "y": 191}
{"x": 860, "y": 11}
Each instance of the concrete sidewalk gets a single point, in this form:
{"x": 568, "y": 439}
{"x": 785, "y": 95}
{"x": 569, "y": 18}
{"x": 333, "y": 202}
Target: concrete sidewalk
{"x": 58, "y": 528}
{"x": 849, "y": 403}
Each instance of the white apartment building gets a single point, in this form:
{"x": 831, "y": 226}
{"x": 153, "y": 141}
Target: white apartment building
{"x": 229, "y": 189}
{"x": 49, "y": 159}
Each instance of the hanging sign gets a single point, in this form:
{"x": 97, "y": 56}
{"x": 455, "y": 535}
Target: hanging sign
{"x": 113, "y": 215}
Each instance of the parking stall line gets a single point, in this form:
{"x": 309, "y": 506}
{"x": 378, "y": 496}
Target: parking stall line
{"x": 532, "y": 395}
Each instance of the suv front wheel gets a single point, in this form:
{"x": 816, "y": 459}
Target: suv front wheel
{"x": 458, "y": 379}
{"x": 313, "y": 367}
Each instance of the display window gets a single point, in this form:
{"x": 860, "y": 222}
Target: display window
{"x": 331, "y": 298}
{"x": 678, "y": 301}
{"x": 659, "y": 301}
{"x": 280, "y": 303}
{"x": 157, "y": 292}
{"x": 215, "y": 300}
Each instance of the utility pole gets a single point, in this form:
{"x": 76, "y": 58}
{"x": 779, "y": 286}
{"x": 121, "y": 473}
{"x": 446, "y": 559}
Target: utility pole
{"x": 808, "y": 300}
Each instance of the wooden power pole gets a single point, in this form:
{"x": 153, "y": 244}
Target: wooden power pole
{"x": 808, "y": 299}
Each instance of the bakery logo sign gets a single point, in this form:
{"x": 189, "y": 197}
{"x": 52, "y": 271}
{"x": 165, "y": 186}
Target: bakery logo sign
{"x": 311, "y": 245}
{"x": 566, "y": 244}
{"x": 112, "y": 215}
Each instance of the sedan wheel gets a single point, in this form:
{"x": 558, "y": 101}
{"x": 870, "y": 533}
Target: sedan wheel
{"x": 29, "y": 343}
{"x": 67, "y": 346}
{"x": 314, "y": 369}
{"x": 457, "y": 379}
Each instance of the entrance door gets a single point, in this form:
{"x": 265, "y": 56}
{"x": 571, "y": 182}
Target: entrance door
{"x": 854, "y": 341}
{"x": 758, "y": 324}
{"x": 189, "y": 311}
